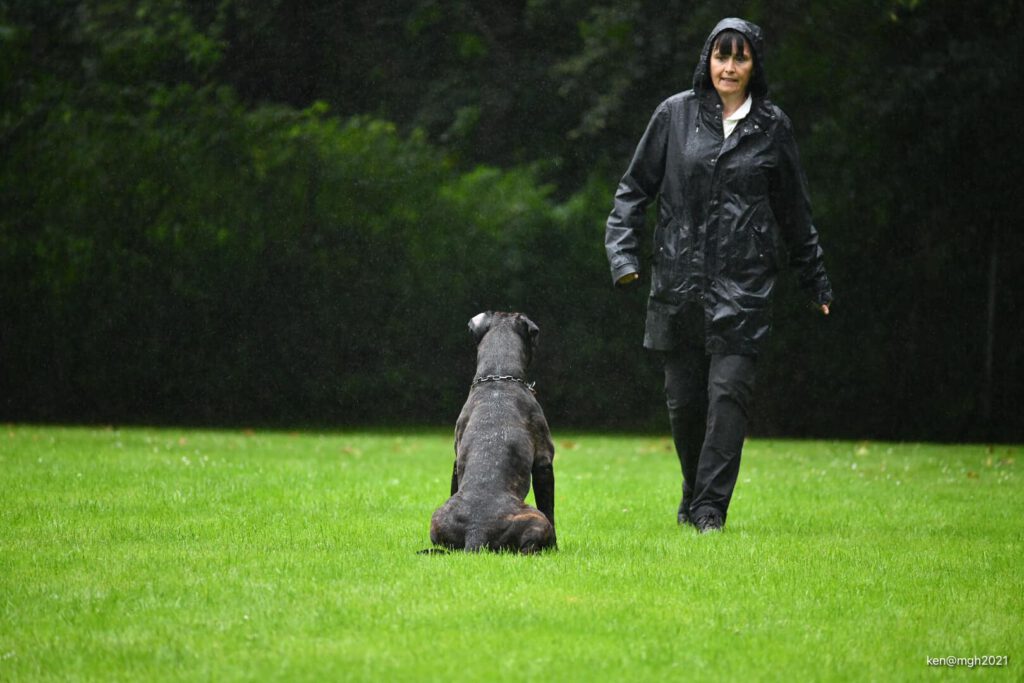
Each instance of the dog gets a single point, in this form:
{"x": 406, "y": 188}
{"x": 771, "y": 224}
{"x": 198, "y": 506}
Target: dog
{"x": 501, "y": 441}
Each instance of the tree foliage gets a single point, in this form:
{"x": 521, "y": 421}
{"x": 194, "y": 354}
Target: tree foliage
{"x": 287, "y": 211}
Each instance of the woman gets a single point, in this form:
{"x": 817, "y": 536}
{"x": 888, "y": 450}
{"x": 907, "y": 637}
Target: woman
{"x": 723, "y": 163}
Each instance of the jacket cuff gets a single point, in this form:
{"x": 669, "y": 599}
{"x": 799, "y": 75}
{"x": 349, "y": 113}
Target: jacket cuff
{"x": 824, "y": 295}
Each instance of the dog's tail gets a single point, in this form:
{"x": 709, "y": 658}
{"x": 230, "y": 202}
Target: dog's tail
{"x": 434, "y": 551}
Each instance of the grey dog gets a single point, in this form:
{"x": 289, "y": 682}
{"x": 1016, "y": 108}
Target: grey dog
{"x": 501, "y": 439}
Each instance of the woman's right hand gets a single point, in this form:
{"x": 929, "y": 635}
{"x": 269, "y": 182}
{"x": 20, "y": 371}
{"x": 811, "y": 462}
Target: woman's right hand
{"x": 628, "y": 278}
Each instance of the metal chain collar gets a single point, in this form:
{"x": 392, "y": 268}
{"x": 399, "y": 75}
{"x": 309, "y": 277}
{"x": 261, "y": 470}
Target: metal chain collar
{"x": 504, "y": 378}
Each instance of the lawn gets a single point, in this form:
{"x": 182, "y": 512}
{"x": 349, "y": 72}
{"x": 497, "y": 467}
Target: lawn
{"x": 143, "y": 554}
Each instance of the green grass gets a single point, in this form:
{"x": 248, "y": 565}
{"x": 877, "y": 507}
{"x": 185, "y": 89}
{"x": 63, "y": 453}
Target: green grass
{"x": 129, "y": 555}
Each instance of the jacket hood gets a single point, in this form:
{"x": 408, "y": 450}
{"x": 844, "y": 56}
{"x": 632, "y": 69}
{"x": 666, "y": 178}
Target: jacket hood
{"x": 754, "y": 35}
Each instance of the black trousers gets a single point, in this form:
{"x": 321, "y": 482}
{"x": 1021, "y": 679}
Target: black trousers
{"x": 709, "y": 402}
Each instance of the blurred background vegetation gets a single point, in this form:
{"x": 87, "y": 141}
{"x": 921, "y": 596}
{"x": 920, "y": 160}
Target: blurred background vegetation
{"x": 285, "y": 212}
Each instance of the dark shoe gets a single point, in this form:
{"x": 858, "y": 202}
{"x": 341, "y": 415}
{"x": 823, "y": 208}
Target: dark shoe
{"x": 709, "y": 521}
{"x": 683, "y": 516}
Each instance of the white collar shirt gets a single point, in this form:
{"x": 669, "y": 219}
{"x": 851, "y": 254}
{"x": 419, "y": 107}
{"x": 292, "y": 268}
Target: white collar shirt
{"x": 729, "y": 124}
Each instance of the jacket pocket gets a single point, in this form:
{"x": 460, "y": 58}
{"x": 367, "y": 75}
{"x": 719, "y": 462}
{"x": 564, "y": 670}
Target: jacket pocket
{"x": 658, "y": 242}
{"x": 767, "y": 246}
{"x": 672, "y": 251}
{"x": 755, "y": 245}
{"x": 765, "y": 252}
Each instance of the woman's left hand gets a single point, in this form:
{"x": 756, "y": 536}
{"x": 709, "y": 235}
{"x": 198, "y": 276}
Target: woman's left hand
{"x": 824, "y": 309}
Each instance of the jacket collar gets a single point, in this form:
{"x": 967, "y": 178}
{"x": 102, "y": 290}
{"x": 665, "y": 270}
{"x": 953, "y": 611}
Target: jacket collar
{"x": 761, "y": 116}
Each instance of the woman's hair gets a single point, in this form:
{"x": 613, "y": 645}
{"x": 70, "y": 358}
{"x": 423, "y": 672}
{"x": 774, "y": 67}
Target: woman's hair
{"x": 731, "y": 41}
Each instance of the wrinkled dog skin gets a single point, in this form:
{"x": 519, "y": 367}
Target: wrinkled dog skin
{"x": 501, "y": 440}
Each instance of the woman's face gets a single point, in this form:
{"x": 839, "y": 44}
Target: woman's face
{"x": 731, "y": 70}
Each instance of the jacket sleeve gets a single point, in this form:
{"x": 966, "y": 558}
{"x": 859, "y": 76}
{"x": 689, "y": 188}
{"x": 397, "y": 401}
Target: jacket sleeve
{"x": 637, "y": 189}
{"x": 791, "y": 205}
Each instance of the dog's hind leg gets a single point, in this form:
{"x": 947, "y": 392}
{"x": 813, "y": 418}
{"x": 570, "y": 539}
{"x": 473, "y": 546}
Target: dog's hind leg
{"x": 528, "y": 531}
{"x": 538, "y": 535}
{"x": 446, "y": 529}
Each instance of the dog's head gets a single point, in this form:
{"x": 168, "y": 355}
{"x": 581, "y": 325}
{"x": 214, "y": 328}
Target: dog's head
{"x": 482, "y": 323}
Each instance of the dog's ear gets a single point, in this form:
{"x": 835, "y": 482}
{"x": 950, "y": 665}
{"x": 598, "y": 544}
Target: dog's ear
{"x": 528, "y": 330}
{"x": 479, "y": 324}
